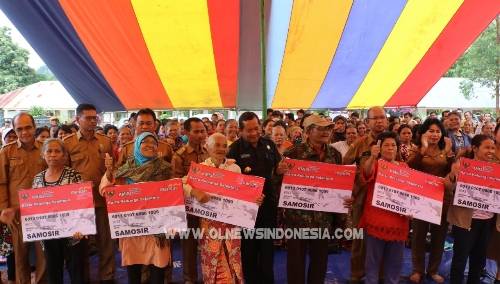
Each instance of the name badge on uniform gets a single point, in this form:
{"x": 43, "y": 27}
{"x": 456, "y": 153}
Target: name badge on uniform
{"x": 15, "y": 158}
{"x": 243, "y": 156}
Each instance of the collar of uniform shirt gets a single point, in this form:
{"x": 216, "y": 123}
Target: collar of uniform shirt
{"x": 323, "y": 148}
{"x": 80, "y": 136}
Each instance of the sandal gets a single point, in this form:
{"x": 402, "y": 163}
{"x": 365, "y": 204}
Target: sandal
{"x": 437, "y": 278}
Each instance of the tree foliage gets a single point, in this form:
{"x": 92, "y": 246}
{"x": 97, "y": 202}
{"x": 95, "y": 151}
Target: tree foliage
{"x": 479, "y": 65}
{"x": 15, "y": 72}
{"x": 37, "y": 111}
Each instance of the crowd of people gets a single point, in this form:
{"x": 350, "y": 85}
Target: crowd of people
{"x": 147, "y": 149}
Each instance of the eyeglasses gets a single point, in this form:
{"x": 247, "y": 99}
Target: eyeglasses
{"x": 26, "y": 128}
{"x": 149, "y": 142}
{"x": 323, "y": 128}
{"x": 377, "y": 118}
{"x": 89, "y": 118}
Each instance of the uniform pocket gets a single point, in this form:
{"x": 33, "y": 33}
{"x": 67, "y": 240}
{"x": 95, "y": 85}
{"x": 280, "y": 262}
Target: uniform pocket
{"x": 17, "y": 169}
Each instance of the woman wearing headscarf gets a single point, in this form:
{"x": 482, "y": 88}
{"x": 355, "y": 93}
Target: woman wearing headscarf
{"x": 339, "y": 128}
{"x": 152, "y": 250}
{"x": 220, "y": 257}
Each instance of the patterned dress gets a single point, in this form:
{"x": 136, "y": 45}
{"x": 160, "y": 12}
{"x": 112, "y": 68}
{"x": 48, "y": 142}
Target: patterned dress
{"x": 220, "y": 258}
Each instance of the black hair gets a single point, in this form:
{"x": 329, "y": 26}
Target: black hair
{"x": 496, "y": 129}
{"x": 21, "y": 114}
{"x": 432, "y": 112}
{"x": 408, "y": 113}
{"x": 246, "y": 116}
{"x": 455, "y": 113}
{"x": 229, "y": 120}
{"x": 302, "y": 121}
{"x": 391, "y": 125}
{"x": 444, "y": 112}
{"x": 215, "y": 115}
{"x": 107, "y": 128}
{"x": 403, "y": 126}
{"x": 217, "y": 122}
{"x": 321, "y": 114}
{"x": 209, "y": 121}
{"x": 187, "y": 123}
{"x": 392, "y": 118}
{"x": 266, "y": 122}
{"x": 81, "y": 107}
{"x": 426, "y": 125}
{"x": 355, "y": 114}
{"x": 477, "y": 140}
{"x": 301, "y": 111}
{"x": 132, "y": 115}
{"x": 269, "y": 110}
{"x": 290, "y": 116}
{"x": 39, "y": 131}
{"x": 280, "y": 123}
{"x": 147, "y": 111}
{"x": 64, "y": 127}
{"x": 74, "y": 125}
{"x": 388, "y": 135}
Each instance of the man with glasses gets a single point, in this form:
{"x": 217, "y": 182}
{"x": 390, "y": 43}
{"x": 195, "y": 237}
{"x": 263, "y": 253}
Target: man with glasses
{"x": 87, "y": 153}
{"x": 316, "y": 148}
{"x": 358, "y": 153}
{"x": 21, "y": 161}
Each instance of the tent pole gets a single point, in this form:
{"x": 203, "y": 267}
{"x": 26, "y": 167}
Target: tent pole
{"x": 263, "y": 56}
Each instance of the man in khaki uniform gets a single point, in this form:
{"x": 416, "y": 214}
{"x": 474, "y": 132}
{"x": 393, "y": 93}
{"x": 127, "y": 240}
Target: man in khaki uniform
{"x": 145, "y": 122}
{"x": 359, "y": 152}
{"x": 21, "y": 161}
{"x": 181, "y": 162}
{"x": 87, "y": 151}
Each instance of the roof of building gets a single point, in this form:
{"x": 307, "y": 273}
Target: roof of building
{"x": 47, "y": 94}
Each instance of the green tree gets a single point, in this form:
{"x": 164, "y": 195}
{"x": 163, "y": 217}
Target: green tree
{"x": 480, "y": 64}
{"x": 15, "y": 72}
{"x": 37, "y": 111}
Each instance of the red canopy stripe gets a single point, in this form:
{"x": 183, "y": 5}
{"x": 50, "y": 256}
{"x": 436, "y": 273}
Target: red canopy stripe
{"x": 467, "y": 23}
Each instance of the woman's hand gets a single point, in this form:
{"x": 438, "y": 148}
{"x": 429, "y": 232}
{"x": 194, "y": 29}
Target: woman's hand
{"x": 259, "y": 199}
{"x": 78, "y": 236}
{"x": 349, "y": 202}
{"x": 448, "y": 145}
{"x": 424, "y": 142}
{"x": 201, "y": 196}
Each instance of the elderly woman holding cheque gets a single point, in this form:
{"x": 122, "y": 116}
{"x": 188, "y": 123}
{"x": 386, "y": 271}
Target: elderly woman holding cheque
{"x": 220, "y": 256}
{"x": 152, "y": 250}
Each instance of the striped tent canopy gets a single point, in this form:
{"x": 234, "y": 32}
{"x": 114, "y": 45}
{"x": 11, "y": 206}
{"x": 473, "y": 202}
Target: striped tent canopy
{"x": 170, "y": 54}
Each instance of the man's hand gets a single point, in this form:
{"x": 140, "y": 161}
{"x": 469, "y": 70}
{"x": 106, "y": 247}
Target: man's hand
{"x": 8, "y": 217}
{"x": 282, "y": 167}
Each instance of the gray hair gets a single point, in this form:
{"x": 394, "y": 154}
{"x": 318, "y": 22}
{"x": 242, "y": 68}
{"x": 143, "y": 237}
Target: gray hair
{"x": 211, "y": 140}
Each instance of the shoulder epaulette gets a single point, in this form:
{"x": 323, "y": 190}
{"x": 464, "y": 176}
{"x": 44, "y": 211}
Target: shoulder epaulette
{"x": 181, "y": 150}
{"x": 102, "y": 134}
{"x": 71, "y": 135}
{"x": 9, "y": 144}
{"x": 129, "y": 142}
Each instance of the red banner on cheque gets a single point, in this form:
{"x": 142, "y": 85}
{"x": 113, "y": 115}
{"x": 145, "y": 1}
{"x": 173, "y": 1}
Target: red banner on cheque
{"x": 408, "y": 192}
{"x": 233, "y": 195}
{"x": 478, "y": 185}
{"x": 57, "y": 211}
{"x": 316, "y": 186}
{"x": 146, "y": 208}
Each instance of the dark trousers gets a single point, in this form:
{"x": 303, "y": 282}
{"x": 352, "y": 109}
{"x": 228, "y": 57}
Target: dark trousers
{"x": 257, "y": 255}
{"x": 156, "y": 274}
{"x": 296, "y": 261}
{"x": 470, "y": 245}
{"x": 190, "y": 251}
{"x": 11, "y": 267}
{"x": 418, "y": 246}
{"x": 56, "y": 252}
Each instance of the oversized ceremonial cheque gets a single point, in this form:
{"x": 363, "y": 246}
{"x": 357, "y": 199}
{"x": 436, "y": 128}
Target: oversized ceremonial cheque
{"x": 57, "y": 211}
{"x": 316, "y": 186}
{"x": 233, "y": 195}
{"x": 478, "y": 185}
{"x": 408, "y": 192}
{"x": 146, "y": 208}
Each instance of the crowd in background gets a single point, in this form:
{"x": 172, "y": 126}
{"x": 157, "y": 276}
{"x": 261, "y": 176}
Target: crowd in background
{"x": 164, "y": 149}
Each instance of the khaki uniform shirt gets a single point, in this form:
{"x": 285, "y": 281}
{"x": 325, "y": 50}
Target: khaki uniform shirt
{"x": 87, "y": 158}
{"x": 181, "y": 161}
{"x": 359, "y": 152}
{"x": 19, "y": 167}
{"x": 127, "y": 152}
